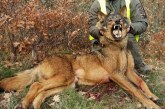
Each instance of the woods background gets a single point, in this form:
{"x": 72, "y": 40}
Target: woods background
{"x": 33, "y": 29}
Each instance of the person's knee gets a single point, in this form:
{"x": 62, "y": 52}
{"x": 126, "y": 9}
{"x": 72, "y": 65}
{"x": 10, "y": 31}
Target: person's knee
{"x": 131, "y": 41}
{"x": 131, "y": 38}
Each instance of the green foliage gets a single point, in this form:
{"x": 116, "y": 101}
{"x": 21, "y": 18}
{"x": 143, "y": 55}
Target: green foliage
{"x": 5, "y": 72}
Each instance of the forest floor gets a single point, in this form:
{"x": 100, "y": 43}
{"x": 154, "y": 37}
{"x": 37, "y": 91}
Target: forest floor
{"x": 106, "y": 96}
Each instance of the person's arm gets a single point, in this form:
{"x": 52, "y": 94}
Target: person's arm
{"x": 139, "y": 21}
{"x": 93, "y": 19}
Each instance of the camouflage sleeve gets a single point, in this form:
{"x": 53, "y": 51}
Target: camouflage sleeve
{"x": 93, "y": 19}
{"x": 138, "y": 18}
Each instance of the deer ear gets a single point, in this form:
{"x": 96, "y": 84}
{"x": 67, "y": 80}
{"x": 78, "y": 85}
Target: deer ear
{"x": 123, "y": 11}
{"x": 101, "y": 16}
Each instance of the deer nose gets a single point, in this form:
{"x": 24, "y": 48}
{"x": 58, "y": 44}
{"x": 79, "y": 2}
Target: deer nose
{"x": 117, "y": 27}
{"x": 117, "y": 21}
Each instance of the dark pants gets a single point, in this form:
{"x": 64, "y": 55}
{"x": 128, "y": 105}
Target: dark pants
{"x": 133, "y": 47}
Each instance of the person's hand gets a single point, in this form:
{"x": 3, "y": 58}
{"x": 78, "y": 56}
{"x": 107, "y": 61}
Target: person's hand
{"x": 101, "y": 32}
{"x": 128, "y": 29}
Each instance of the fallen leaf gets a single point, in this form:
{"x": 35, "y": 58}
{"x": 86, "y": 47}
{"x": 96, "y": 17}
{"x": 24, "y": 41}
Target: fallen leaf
{"x": 7, "y": 96}
{"x": 82, "y": 93}
{"x": 8, "y": 64}
{"x": 18, "y": 64}
{"x": 56, "y": 98}
{"x": 144, "y": 76}
{"x": 1, "y": 37}
{"x": 16, "y": 44}
{"x": 152, "y": 84}
{"x": 92, "y": 97}
{"x": 163, "y": 82}
{"x": 52, "y": 104}
{"x": 139, "y": 105}
{"x": 127, "y": 98}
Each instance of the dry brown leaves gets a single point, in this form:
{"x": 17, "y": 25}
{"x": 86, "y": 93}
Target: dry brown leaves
{"x": 32, "y": 23}
{"x": 156, "y": 46}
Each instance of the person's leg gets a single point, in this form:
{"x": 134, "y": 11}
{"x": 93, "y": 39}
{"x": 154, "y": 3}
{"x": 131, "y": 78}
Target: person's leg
{"x": 133, "y": 47}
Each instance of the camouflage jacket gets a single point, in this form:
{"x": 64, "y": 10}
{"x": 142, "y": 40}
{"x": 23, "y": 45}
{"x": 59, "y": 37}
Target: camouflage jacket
{"x": 138, "y": 16}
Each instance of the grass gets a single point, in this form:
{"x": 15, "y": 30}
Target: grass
{"x": 16, "y": 98}
{"x": 70, "y": 99}
{"x": 156, "y": 85}
{"x": 5, "y": 72}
